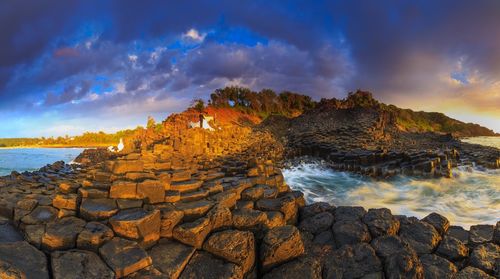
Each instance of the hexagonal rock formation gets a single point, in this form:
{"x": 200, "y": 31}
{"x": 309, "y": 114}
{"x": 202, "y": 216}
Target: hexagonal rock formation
{"x": 21, "y": 260}
{"x": 124, "y": 256}
{"x": 76, "y": 264}
{"x": 137, "y": 224}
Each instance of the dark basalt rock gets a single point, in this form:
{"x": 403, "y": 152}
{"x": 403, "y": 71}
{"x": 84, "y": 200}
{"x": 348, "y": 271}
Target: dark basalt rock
{"x": 353, "y": 261}
{"x": 387, "y": 245}
{"x": 301, "y": 268}
{"x": 350, "y": 232}
{"x": 480, "y": 234}
{"x": 205, "y": 266}
{"x": 280, "y": 245}
{"x": 485, "y": 257}
{"x": 76, "y": 264}
{"x": 459, "y": 233}
{"x": 124, "y": 256}
{"x": 171, "y": 257}
{"x": 439, "y": 222}
{"x": 347, "y": 213}
{"x": 315, "y": 208}
{"x": 473, "y": 273}
{"x": 421, "y": 236}
{"x": 452, "y": 248}
{"x": 403, "y": 264}
{"x": 22, "y": 260}
{"x": 317, "y": 223}
{"x": 381, "y": 222}
{"x": 436, "y": 267}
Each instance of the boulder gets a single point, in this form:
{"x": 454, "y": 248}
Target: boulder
{"x": 452, "y": 248}
{"x": 138, "y": 224}
{"x": 388, "y": 244}
{"x": 205, "y": 266}
{"x": 124, "y": 166}
{"x": 220, "y": 217}
{"x": 459, "y": 233}
{"x": 169, "y": 219}
{"x": 194, "y": 210}
{"x": 317, "y": 223}
{"x": 98, "y": 209}
{"x": 484, "y": 257}
{"x": 473, "y": 273}
{"x": 421, "y": 236}
{"x": 300, "y": 268}
{"x": 403, "y": 264}
{"x": 439, "y": 222}
{"x": 124, "y": 256}
{"x": 280, "y": 244}
{"x": 22, "y": 260}
{"x": 76, "y": 264}
{"x": 315, "y": 208}
{"x": 8, "y": 233}
{"x": 347, "y": 213}
{"x": 285, "y": 205}
{"x": 436, "y": 267}
{"x": 353, "y": 261}
{"x": 171, "y": 257}
{"x": 193, "y": 233}
{"x": 234, "y": 246}
{"x": 93, "y": 235}
{"x": 381, "y": 222}
{"x": 62, "y": 233}
{"x": 274, "y": 219}
{"x": 350, "y": 232}
{"x": 480, "y": 234}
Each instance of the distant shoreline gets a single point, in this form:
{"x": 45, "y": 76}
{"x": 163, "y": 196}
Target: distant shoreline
{"x": 53, "y": 146}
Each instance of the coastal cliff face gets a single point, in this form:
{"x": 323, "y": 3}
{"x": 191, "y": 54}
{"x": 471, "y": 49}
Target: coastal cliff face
{"x": 193, "y": 203}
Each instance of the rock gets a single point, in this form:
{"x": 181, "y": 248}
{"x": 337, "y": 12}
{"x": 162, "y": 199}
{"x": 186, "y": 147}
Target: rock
{"x": 186, "y": 186}
{"x": 387, "y": 245}
{"x": 234, "y": 246}
{"x": 69, "y": 201}
{"x": 220, "y": 217}
{"x": 249, "y": 219}
{"x": 226, "y": 199}
{"x": 193, "y": 233}
{"x": 439, "y": 222}
{"x": 381, "y": 222}
{"x": 459, "y": 233}
{"x": 124, "y": 256}
{"x": 350, "y": 232}
{"x": 127, "y": 204}
{"x": 285, "y": 205}
{"x": 481, "y": 234}
{"x": 280, "y": 245}
{"x": 124, "y": 166}
{"x": 40, "y": 215}
{"x": 204, "y": 266}
{"x": 324, "y": 238}
{"x": 151, "y": 190}
{"x": 317, "y": 223}
{"x": 253, "y": 194}
{"x": 171, "y": 257}
{"x": 22, "y": 260}
{"x": 496, "y": 234}
{"x": 484, "y": 257}
{"x": 315, "y": 208}
{"x": 194, "y": 210}
{"x": 472, "y": 273}
{"x": 403, "y": 264}
{"x": 33, "y": 234}
{"x": 98, "y": 209}
{"x": 452, "y": 248}
{"x": 169, "y": 219}
{"x": 353, "y": 261}
{"x": 76, "y": 264}
{"x": 93, "y": 235}
{"x": 123, "y": 190}
{"x": 274, "y": 219}
{"x": 436, "y": 267}
{"x": 138, "y": 224}
{"x": 421, "y": 236}
{"x": 301, "y": 268}
{"x": 347, "y": 213}
{"x": 62, "y": 233}
{"x": 8, "y": 233}
{"x": 181, "y": 175}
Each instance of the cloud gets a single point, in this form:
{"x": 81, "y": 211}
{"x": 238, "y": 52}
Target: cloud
{"x": 193, "y": 35}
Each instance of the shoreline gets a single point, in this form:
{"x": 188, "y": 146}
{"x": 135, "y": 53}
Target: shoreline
{"x": 52, "y": 146}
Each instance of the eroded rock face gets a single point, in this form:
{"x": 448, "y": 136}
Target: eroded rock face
{"x": 381, "y": 222}
{"x": 124, "y": 256}
{"x": 452, "y": 248}
{"x": 22, "y": 260}
{"x": 234, "y": 246}
{"x": 350, "y": 232}
{"x": 76, "y": 264}
{"x": 480, "y": 234}
{"x": 300, "y": 268}
{"x": 473, "y": 273}
{"x": 485, "y": 257}
{"x": 193, "y": 233}
{"x": 436, "y": 267}
{"x": 403, "y": 264}
{"x": 421, "y": 236}
{"x": 280, "y": 245}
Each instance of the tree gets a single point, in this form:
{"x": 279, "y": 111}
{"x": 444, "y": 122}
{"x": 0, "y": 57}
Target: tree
{"x": 198, "y": 105}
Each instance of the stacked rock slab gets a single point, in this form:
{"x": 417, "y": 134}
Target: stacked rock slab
{"x": 191, "y": 203}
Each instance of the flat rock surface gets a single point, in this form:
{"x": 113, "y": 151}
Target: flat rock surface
{"x": 23, "y": 259}
{"x": 171, "y": 257}
{"x": 124, "y": 256}
{"x": 76, "y": 264}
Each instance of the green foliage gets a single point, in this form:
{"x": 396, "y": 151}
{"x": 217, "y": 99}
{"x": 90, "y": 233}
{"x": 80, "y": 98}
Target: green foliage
{"x": 198, "y": 105}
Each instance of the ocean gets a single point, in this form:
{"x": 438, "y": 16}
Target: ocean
{"x": 471, "y": 197}
{"x": 30, "y": 159}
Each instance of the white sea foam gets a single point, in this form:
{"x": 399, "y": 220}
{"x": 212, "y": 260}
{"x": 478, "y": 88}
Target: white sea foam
{"x": 471, "y": 197}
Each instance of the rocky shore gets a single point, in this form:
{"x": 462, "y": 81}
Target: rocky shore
{"x": 192, "y": 203}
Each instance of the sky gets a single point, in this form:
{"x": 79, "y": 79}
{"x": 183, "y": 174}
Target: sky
{"x": 72, "y": 66}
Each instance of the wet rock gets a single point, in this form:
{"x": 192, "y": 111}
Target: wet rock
{"x": 459, "y": 233}
{"x": 8, "y": 233}
{"x": 350, "y": 232}
{"x": 317, "y": 223}
{"x": 484, "y": 257}
{"x": 280, "y": 245}
{"x": 98, "y": 209}
{"x": 151, "y": 190}
{"x": 23, "y": 260}
{"x": 234, "y": 246}
{"x": 436, "y": 267}
{"x": 249, "y": 219}
{"x": 452, "y": 248}
{"x": 124, "y": 256}
{"x": 76, "y": 264}
{"x": 171, "y": 257}
{"x": 387, "y": 245}
{"x": 347, "y": 213}
{"x": 138, "y": 224}
{"x": 205, "y": 266}
{"x": 315, "y": 208}
{"x": 193, "y": 233}
{"x": 472, "y": 273}
{"x": 169, "y": 219}
{"x": 481, "y": 234}
{"x": 40, "y": 215}
{"x": 62, "y": 233}
{"x": 381, "y": 222}
{"x": 93, "y": 235}
{"x": 421, "y": 236}
{"x": 439, "y": 222}
{"x": 353, "y": 261}
{"x": 403, "y": 264}
{"x": 301, "y": 268}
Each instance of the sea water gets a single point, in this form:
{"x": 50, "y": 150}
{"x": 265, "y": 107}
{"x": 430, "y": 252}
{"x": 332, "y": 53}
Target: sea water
{"x": 471, "y": 197}
{"x": 30, "y": 159}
